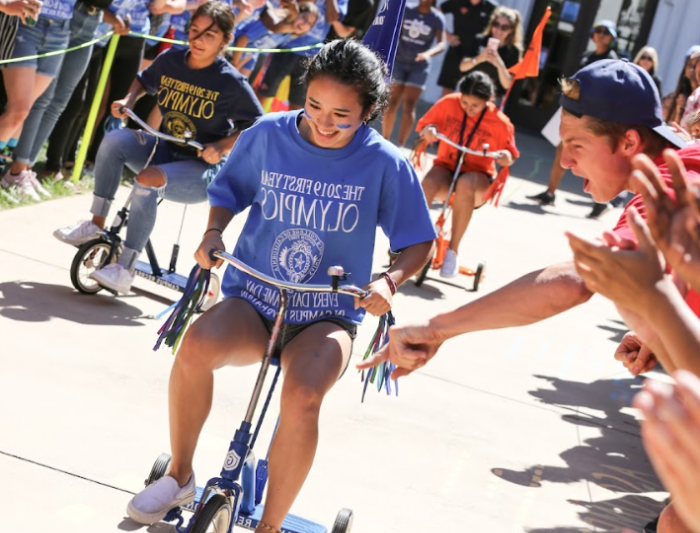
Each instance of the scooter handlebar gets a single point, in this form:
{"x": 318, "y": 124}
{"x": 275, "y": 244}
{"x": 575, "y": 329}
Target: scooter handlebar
{"x": 177, "y": 140}
{"x": 350, "y": 290}
{"x": 483, "y": 153}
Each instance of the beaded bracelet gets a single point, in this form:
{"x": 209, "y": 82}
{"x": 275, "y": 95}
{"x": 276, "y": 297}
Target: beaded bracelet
{"x": 390, "y": 282}
{"x": 268, "y": 527}
{"x": 221, "y": 232}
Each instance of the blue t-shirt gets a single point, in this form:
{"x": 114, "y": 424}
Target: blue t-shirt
{"x": 418, "y": 32}
{"x": 207, "y": 102}
{"x": 312, "y": 208}
{"x": 136, "y": 9}
{"x": 57, "y": 9}
{"x": 318, "y": 33}
{"x": 259, "y": 36}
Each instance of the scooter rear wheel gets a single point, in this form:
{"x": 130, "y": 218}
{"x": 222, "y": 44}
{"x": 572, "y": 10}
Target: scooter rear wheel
{"x": 343, "y": 522}
{"x": 91, "y": 256}
{"x": 159, "y": 468}
{"x": 215, "y": 517}
{"x": 420, "y": 278}
{"x": 478, "y": 274}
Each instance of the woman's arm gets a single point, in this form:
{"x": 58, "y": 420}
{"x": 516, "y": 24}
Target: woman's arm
{"x": 136, "y": 91}
{"x": 505, "y": 78}
{"x": 219, "y": 218}
{"x": 435, "y": 50}
{"x": 241, "y": 42}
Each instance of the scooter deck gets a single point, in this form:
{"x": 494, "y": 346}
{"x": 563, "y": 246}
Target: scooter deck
{"x": 172, "y": 280}
{"x": 291, "y": 524}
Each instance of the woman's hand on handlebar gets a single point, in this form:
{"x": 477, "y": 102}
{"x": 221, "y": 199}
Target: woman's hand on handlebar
{"x": 429, "y": 134}
{"x": 212, "y": 241}
{"x": 506, "y": 159}
{"x": 378, "y": 300}
{"x": 118, "y": 105}
{"x": 212, "y": 153}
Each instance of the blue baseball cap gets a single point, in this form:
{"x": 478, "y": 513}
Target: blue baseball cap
{"x": 608, "y": 25}
{"x": 620, "y": 91}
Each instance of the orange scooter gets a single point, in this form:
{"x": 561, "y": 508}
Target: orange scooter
{"x": 443, "y": 238}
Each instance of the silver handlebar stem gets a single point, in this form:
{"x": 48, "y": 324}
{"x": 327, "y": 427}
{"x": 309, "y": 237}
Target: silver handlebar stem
{"x": 177, "y": 140}
{"x": 464, "y": 149}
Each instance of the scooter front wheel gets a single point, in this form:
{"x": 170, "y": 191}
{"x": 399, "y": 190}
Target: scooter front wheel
{"x": 343, "y": 522}
{"x": 478, "y": 275}
{"x": 215, "y": 517}
{"x": 91, "y": 256}
{"x": 159, "y": 468}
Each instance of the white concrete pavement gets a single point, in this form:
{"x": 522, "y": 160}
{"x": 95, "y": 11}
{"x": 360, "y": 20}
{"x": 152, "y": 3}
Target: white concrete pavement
{"x": 525, "y": 429}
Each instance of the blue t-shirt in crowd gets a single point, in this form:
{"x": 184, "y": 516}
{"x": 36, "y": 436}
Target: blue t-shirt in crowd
{"x": 418, "y": 32}
{"x": 318, "y": 33}
{"x": 181, "y": 26}
{"x": 207, "y": 102}
{"x": 259, "y": 36}
{"x": 57, "y": 9}
{"x": 312, "y": 208}
{"x": 136, "y": 9}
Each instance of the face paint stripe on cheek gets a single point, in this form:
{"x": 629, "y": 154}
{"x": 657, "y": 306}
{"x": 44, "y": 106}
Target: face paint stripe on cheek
{"x": 306, "y": 114}
{"x": 343, "y": 126}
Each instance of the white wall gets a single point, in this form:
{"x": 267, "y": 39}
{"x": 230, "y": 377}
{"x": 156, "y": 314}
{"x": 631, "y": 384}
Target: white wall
{"x": 433, "y": 91}
{"x": 675, "y": 29}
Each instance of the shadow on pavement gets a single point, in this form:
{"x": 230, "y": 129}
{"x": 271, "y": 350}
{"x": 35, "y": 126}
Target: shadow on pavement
{"x": 615, "y": 460}
{"x": 29, "y": 301}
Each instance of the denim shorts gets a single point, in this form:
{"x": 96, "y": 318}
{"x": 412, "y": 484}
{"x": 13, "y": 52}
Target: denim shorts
{"x": 414, "y": 74}
{"x": 49, "y": 35}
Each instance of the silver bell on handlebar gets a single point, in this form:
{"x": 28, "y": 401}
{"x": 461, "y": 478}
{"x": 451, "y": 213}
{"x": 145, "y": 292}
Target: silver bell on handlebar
{"x": 485, "y": 147}
{"x": 187, "y": 135}
{"x": 336, "y": 271}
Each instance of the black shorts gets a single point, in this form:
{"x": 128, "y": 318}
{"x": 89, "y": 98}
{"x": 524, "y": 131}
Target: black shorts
{"x": 281, "y": 65}
{"x": 8, "y": 33}
{"x": 290, "y": 331}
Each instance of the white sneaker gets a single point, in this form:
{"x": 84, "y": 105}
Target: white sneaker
{"x": 23, "y": 183}
{"x": 115, "y": 277}
{"x": 450, "y": 267}
{"x": 38, "y": 187}
{"x": 153, "y": 503}
{"x": 78, "y": 234}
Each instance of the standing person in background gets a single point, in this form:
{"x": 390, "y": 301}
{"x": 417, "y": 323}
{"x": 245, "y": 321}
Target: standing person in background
{"x": 421, "y": 26}
{"x": 26, "y": 80}
{"x": 291, "y": 64}
{"x": 355, "y": 22}
{"x": 648, "y": 59}
{"x": 497, "y": 49}
{"x": 48, "y": 107}
{"x": 469, "y": 19}
{"x": 603, "y": 35}
{"x": 686, "y": 84}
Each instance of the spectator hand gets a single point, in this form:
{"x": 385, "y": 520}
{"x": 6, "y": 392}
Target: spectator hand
{"x": 681, "y": 131}
{"x": 211, "y": 241}
{"x": 121, "y": 26}
{"x": 379, "y": 299}
{"x": 212, "y": 153}
{"x": 452, "y": 39}
{"x": 22, "y": 8}
{"x": 506, "y": 159}
{"x": 635, "y": 355}
{"x": 675, "y": 226}
{"x": 410, "y": 348}
{"x": 671, "y": 432}
{"x": 422, "y": 57}
{"x": 624, "y": 276}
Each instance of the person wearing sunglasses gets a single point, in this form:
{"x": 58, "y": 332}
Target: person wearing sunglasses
{"x": 497, "y": 49}
{"x": 648, "y": 59}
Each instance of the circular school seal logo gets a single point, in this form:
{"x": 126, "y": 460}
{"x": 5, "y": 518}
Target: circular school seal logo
{"x": 296, "y": 255}
{"x": 177, "y": 124}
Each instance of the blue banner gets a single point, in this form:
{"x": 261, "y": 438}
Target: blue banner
{"x": 383, "y": 35}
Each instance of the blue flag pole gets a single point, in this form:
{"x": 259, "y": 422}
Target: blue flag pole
{"x": 383, "y": 35}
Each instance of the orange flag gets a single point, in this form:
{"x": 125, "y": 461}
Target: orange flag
{"x": 529, "y": 66}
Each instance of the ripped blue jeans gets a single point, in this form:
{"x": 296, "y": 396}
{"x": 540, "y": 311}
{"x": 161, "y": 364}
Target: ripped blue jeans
{"x": 186, "y": 176}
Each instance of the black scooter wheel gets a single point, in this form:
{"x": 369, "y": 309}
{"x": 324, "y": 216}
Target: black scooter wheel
{"x": 478, "y": 275}
{"x": 214, "y": 517}
{"x": 91, "y": 256}
{"x": 343, "y": 522}
{"x": 420, "y": 278}
{"x": 159, "y": 468}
